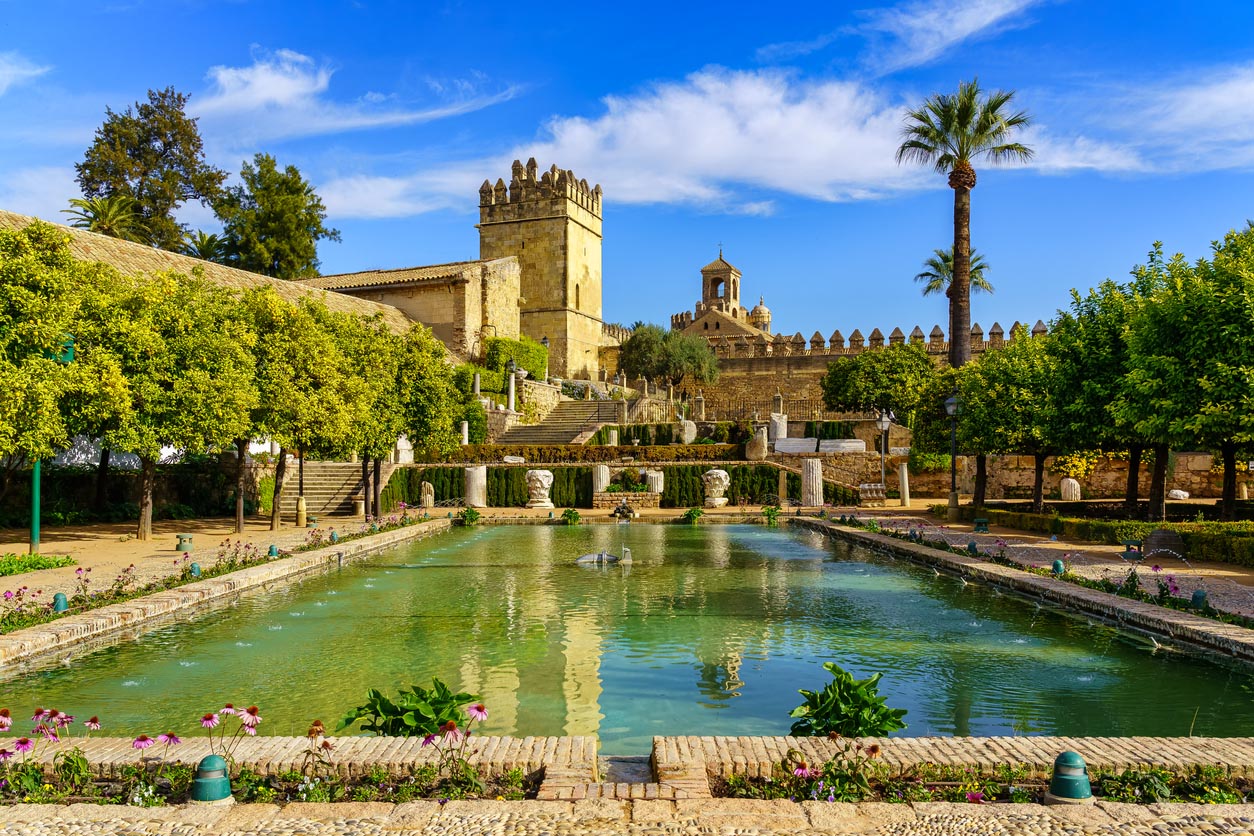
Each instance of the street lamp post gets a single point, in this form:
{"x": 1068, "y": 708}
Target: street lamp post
{"x": 882, "y": 423}
{"x": 64, "y": 355}
{"x": 951, "y": 409}
{"x": 544, "y": 341}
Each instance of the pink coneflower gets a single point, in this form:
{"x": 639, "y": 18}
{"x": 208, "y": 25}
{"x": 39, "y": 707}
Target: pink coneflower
{"x": 975, "y": 798}
{"x": 5, "y": 754}
{"x": 428, "y": 740}
{"x": 169, "y": 739}
{"x": 477, "y": 712}
{"x": 39, "y": 715}
{"x": 450, "y": 731}
{"x": 227, "y": 709}
{"x": 250, "y": 716}
{"x": 6, "y": 719}
{"x": 93, "y": 723}
{"x": 209, "y": 721}
{"x": 250, "y": 730}
{"x": 142, "y": 742}
{"x": 23, "y": 744}
{"x": 803, "y": 770}
{"x": 47, "y": 732}
{"x": 64, "y": 720}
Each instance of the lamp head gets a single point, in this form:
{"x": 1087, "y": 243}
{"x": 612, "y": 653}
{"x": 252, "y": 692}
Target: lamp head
{"x": 951, "y": 405}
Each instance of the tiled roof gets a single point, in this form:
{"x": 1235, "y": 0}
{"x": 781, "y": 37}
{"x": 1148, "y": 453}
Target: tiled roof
{"x": 403, "y": 275}
{"x": 129, "y": 257}
{"x": 719, "y": 264}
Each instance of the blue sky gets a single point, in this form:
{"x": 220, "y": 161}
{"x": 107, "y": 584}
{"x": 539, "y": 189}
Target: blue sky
{"x": 768, "y": 130}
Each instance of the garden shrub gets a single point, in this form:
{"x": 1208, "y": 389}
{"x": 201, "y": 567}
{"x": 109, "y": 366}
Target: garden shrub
{"x": 921, "y": 462}
{"x": 847, "y": 707}
{"x": 526, "y": 354}
{"x": 490, "y": 380}
{"x": 578, "y": 453}
{"x": 829, "y": 429}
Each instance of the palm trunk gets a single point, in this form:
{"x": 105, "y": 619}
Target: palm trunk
{"x": 280, "y": 473}
{"x": 1158, "y": 485}
{"x": 378, "y": 488}
{"x": 1228, "y": 504}
{"x": 147, "y": 478}
{"x": 241, "y": 455}
{"x": 102, "y": 481}
{"x": 1133, "y": 490}
{"x": 981, "y": 480}
{"x": 960, "y": 286}
{"x": 1038, "y": 482}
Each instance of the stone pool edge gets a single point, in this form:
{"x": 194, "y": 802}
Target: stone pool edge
{"x": 1227, "y": 640}
{"x": 78, "y": 632}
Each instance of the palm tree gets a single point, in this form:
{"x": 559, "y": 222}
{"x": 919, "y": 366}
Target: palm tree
{"x": 206, "y": 246}
{"x": 940, "y": 272}
{"x": 950, "y": 132}
{"x": 112, "y": 215}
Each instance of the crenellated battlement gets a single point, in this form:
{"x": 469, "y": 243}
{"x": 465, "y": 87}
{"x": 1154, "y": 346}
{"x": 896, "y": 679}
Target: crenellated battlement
{"x": 837, "y": 345}
{"x": 544, "y": 193}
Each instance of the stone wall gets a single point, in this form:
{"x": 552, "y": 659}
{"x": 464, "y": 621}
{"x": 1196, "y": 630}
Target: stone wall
{"x": 540, "y": 399}
{"x": 604, "y": 500}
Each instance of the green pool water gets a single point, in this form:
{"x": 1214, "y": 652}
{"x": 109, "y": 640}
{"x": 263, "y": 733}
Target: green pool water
{"x": 711, "y": 631}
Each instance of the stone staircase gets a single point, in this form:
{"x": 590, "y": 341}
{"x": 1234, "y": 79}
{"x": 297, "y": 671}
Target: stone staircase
{"x": 329, "y": 487}
{"x": 564, "y": 425}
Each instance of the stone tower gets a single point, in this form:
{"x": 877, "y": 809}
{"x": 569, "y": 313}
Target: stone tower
{"x": 552, "y": 224}
{"x": 720, "y": 287}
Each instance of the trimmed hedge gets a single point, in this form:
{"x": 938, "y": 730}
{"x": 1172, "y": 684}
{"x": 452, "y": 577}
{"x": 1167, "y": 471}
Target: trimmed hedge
{"x": 1213, "y": 541}
{"x": 526, "y": 354}
{"x": 578, "y": 453}
{"x": 829, "y": 429}
{"x": 489, "y": 379}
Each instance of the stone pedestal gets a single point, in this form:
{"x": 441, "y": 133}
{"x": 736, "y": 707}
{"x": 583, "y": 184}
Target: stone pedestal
{"x": 903, "y": 484}
{"x": 510, "y": 401}
{"x": 716, "y": 484}
{"x": 756, "y": 449}
{"x": 778, "y": 427}
{"x": 539, "y": 482}
{"x": 698, "y": 406}
{"x": 427, "y": 495}
{"x": 653, "y": 478}
{"x": 811, "y": 483}
{"x": 475, "y": 390}
{"x": 687, "y": 432}
{"x": 1070, "y": 490}
{"x": 600, "y": 477}
{"x": 302, "y": 514}
{"x": 621, "y": 409}
{"x": 465, "y": 432}
{"x": 611, "y": 437}
{"x": 777, "y": 403}
{"x": 1245, "y": 491}
{"x": 477, "y": 486}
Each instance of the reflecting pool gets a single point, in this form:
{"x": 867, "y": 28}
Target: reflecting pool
{"x": 711, "y": 630}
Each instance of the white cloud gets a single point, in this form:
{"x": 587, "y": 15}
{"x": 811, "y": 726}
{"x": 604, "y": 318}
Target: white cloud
{"x": 922, "y": 31}
{"x": 41, "y": 191}
{"x": 1204, "y": 121}
{"x": 1062, "y": 155}
{"x": 14, "y": 69}
{"x": 286, "y": 94}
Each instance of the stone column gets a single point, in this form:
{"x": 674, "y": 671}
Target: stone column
{"x": 778, "y": 427}
{"x": 475, "y": 390}
{"x": 427, "y": 494}
{"x": 777, "y": 403}
{"x": 653, "y": 478}
{"x": 600, "y": 477}
{"x": 622, "y": 412}
{"x": 1070, "y": 490}
{"x": 903, "y": 483}
{"x": 510, "y": 403}
{"x": 670, "y": 391}
{"x": 783, "y": 488}
{"x": 698, "y": 406}
{"x": 811, "y": 483}
{"x": 477, "y": 486}
{"x": 465, "y": 432}
{"x": 539, "y": 482}
{"x": 611, "y": 437}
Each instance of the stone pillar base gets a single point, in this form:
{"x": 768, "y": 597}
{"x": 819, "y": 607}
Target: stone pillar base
{"x": 544, "y": 504}
{"x": 715, "y": 501}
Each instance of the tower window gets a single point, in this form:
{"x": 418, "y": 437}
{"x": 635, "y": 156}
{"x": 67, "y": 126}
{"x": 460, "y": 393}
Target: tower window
{"x": 576, "y": 297}
{"x": 706, "y": 325}
{"x": 716, "y": 325}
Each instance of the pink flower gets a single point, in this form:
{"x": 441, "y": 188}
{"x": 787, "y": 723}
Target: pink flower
{"x": 64, "y": 720}
{"x": 93, "y": 723}
{"x": 803, "y": 770}
{"x": 5, "y": 754}
{"x": 6, "y": 719}
{"x": 39, "y": 715}
{"x": 47, "y": 732}
{"x": 23, "y": 744}
{"x": 477, "y": 712}
{"x": 142, "y": 742}
{"x": 169, "y": 739}
{"x": 975, "y": 798}
{"x": 250, "y": 716}
{"x": 209, "y": 721}
{"x": 428, "y": 740}
{"x": 227, "y": 709}
{"x": 251, "y": 730}
{"x": 450, "y": 731}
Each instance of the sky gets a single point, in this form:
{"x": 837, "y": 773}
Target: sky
{"x": 768, "y": 131}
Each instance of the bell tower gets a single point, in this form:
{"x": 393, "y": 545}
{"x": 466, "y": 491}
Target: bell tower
{"x": 551, "y": 223}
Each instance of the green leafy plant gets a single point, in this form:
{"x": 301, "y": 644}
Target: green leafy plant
{"x": 1136, "y": 786}
{"x": 770, "y": 513}
{"x": 692, "y": 515}
{"x": 469, "y": 516}
{"x": 416, "y": 711}
{"x": 846, "y": 706}
{"x": 570, "y": 516}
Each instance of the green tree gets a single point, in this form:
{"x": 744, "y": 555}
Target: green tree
{"x": 1007, "y": 404}
{"x": 640, "y": 354}
{"x": 938, "y": 272}
{"x": 152, "y": 154}
{"x": 273, "y": 222}
{"x": 113, "y": 216}
{"x": 949, "y": 133}
{"x": 206, "y": 246}
{"x": 429, "y": 400}
{"x": 894, "y": 378}
{"x": 671, "y": 356}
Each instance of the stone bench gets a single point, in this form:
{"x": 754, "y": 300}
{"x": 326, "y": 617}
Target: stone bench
{"x": 872, "y": 494}
{"x": 796, "y": 445}
{"x": 842, "y": 445}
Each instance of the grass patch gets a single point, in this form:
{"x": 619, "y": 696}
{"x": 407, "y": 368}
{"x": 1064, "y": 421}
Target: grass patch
{"x": 17, "y": 564}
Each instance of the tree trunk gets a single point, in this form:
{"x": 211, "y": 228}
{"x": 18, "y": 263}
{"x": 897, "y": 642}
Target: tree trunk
{"x": 1228, "y": 504}
{"x": 147, "y": 477}
{"x": 1132, "y": 493}
{"x": 378, "y": 487}
{"x": 300, "y": 482}
{"x": 102, "y": 481}
{"x": 960, "y": 285}
{"x": 241, "y": 455}
{"x": 981, "y": 480}
{"x": 280, "y": 474}
{"x": 1038, "y": 482}
{"x": 365, "y": 483}
{"x": 1158, "y": 485}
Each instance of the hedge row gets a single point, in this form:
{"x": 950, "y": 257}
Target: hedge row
{"x": 718, "y": 432}
{"x": 580, "y": 454}
{"x": 490, "y": 380}
{"x": 526, "y": 354}
{"x": 829, "y": 429}
{"x": 1217, "y": 542}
